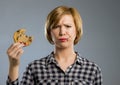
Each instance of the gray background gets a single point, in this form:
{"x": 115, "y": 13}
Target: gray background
{"x": 100, "y": 42}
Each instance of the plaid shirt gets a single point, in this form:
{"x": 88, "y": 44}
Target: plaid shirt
{"x": 46, "y": 71}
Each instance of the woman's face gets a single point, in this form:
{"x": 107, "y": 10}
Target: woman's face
{"x": 64, "y": 33}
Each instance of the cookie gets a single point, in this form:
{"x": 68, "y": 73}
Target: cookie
{"x": 21, "y": 37}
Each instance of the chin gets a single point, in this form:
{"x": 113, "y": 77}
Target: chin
{"x": 63, "y": 46}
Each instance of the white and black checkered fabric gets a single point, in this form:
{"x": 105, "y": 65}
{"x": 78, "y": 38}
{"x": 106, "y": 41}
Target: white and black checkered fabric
{"x": 46, "y": 71}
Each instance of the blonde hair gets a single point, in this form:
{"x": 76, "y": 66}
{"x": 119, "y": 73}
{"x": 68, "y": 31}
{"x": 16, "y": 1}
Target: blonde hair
{"x": 55, "y": 15}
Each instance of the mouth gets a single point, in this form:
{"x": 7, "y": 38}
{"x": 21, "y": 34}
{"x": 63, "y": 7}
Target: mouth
{"x": 63, "y": 39}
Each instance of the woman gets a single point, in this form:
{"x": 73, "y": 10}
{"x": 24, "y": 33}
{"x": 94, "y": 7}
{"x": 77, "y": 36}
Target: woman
{"x": 63, "y": 66}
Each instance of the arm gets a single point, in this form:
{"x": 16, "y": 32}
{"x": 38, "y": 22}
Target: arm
{"x": 98, "y": 77}
{"x": 14, "y": 52}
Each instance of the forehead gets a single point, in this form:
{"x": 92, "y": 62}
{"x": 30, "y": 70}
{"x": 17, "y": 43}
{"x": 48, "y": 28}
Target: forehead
{"x": 66, "y": 19}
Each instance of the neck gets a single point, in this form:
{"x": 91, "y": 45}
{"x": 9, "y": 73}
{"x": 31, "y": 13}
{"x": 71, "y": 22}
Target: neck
{"x": 64, "y": 54}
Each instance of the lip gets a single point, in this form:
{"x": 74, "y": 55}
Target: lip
{"x": 62, "y": 39}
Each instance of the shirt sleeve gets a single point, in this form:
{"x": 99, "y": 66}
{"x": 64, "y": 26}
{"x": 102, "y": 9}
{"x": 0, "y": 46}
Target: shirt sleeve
{"x": 98, "y": 77}
{"x": 27, "y": 78}
{"x": 8, "y": 82}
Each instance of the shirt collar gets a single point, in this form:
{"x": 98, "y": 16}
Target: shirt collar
{"x": 51, "y": 59}
{"x": 79, "y": 59}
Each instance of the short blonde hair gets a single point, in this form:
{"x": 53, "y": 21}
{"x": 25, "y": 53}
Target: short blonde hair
{"x": 55, "y": 15}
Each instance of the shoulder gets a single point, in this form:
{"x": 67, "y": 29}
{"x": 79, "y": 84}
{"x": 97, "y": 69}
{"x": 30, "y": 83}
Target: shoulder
{"x": 89, "y": 65}
{"x": 38, "y": 63}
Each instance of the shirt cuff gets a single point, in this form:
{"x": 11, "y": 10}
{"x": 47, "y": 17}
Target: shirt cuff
{"x": 9, "y": 82}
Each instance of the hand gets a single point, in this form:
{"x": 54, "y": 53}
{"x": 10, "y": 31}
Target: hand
{"x": 14, "y": 52}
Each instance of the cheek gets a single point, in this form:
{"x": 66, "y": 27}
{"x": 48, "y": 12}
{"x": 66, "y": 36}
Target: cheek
{"x": 72, "y": 33}
{"x": 53, "y": 35}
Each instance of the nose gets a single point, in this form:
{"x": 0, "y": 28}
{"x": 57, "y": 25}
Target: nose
{"x": 62, "y": 31}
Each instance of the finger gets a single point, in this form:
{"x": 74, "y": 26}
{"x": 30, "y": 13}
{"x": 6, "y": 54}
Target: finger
{"x": 19, "y": 53}
{"x": 12, "y": 52}
{"x": 17, "y": 45}
{"x": 16, "y": 55}
{"x": 12, "y": 47}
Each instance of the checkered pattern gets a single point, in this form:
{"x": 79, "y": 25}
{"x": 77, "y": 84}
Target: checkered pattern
{"x": 46, "y": 71}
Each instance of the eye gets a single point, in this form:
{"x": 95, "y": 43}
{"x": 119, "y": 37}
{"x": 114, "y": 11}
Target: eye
{"x": 57, "y": 26}
{"x": 68, "y": 26}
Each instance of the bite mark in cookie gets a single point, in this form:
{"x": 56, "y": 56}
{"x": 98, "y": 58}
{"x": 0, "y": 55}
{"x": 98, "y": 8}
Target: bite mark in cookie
{"x": 21, "y": 37}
